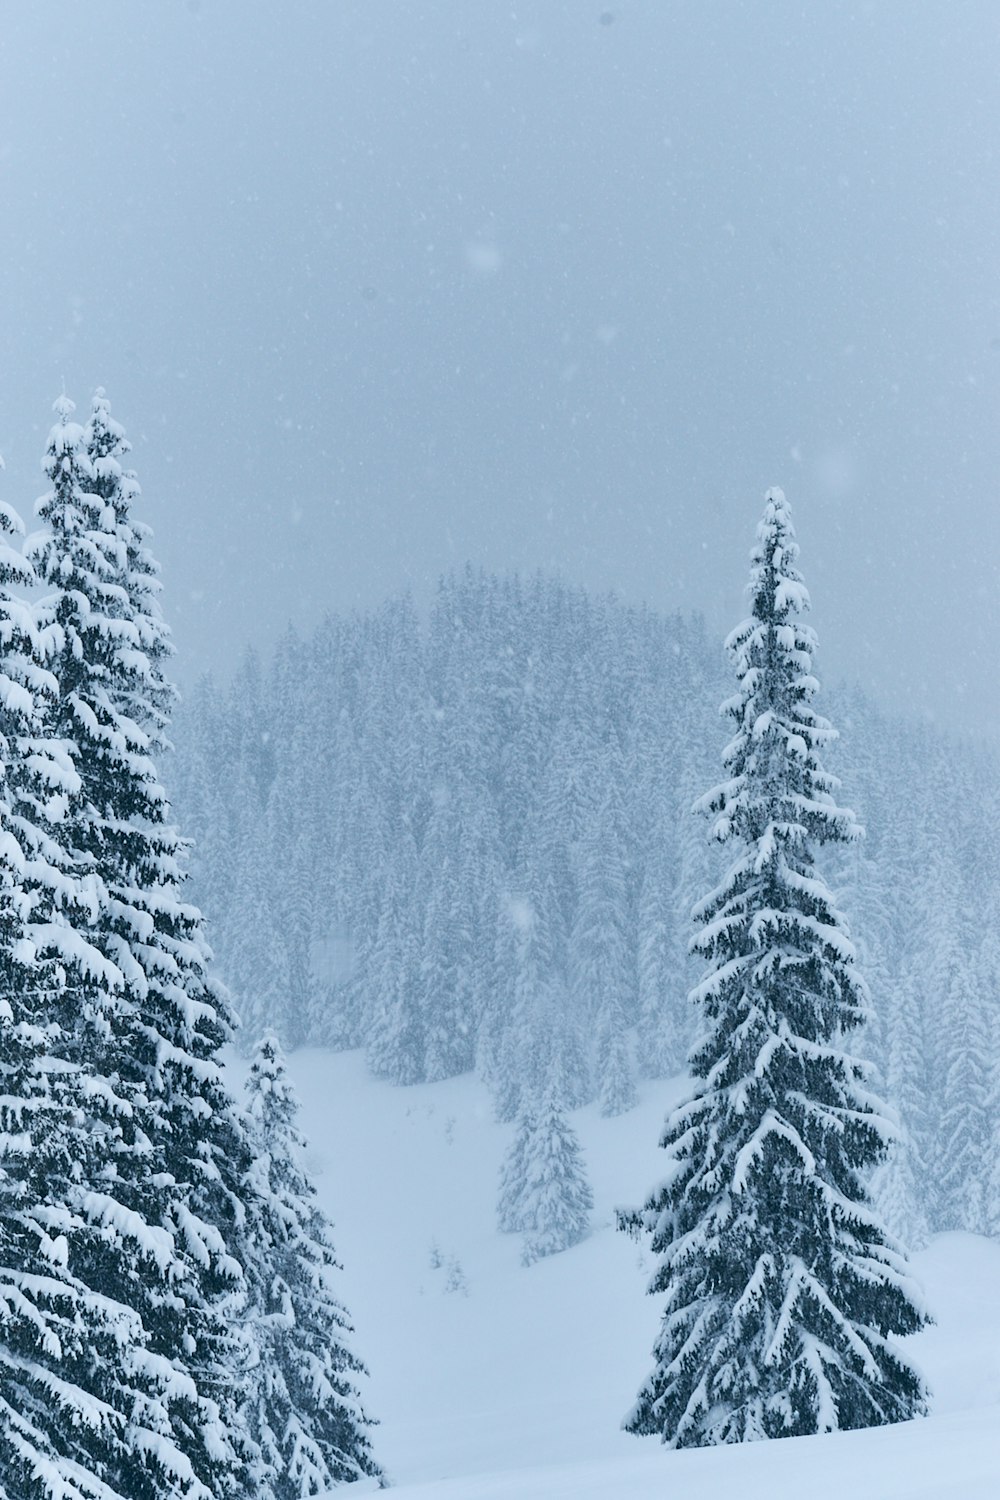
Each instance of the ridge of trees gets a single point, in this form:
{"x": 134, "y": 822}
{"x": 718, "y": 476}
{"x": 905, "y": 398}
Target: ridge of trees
{"x": 477, "y": 828}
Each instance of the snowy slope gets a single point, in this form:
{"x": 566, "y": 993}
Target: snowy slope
{"x": 496, "y": 1382}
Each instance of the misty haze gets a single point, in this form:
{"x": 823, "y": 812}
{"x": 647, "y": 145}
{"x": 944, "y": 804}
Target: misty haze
{"x": 518, "y": 1019}
{"x": 380, "y": 289}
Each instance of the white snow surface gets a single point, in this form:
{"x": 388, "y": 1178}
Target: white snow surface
{"x": 514, "y": 1386}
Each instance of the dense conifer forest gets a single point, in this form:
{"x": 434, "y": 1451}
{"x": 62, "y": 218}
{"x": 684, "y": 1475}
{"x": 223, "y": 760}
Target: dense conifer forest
{"x": 467, "y": 841}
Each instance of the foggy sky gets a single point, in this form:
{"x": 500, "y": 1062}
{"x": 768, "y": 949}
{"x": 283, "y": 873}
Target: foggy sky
{"x": 379, "y": 287}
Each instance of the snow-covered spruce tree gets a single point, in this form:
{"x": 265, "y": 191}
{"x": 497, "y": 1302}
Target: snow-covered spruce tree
{"x": 167, "y": 1197}
{"x": 555, "y": 1202}
{"x": 87, "y": 1406}
{"x": 394, "y": 1030}
{"x": 512, "y": 1215}
{"x": 201, "y": 777}
{"x": 783, "y": 1291}
{"x": 963, "y": 1138}
{"x": 257, "y": 975}
{"x": 306, "y": 1410}
{"x": 600, "y": 978}
{"x": 989, "y": 978}
{"x": 537, "y": 1021}
{"x": 447, "y": 999}
{"x": 899, "y": 1185}
{"x": 660, "y": 1049}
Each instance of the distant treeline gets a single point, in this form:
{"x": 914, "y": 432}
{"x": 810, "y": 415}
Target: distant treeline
{"x": 468, "y": 844}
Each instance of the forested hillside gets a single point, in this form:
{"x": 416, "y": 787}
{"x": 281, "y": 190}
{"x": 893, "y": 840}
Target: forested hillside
{"x": 468, "y": 844}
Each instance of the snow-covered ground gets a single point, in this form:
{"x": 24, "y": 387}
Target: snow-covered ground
{"x": 496, "y": 1382}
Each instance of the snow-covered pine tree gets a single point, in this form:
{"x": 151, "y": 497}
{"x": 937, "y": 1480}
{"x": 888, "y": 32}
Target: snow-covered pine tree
{"x": 394, "y": 1032}
{"x": 601, "y": 978}
{"x": 88, "y": 1406}
{"x": 898, "y": 1185}
{"x": 888, "y": 891}
{"x": 783, "y": 1290}
{"x": 251, "y": 743}
{"x": 360, "y": 876}
{"x": 965, "y": 1130}
{"x": 660, "y": 1028}
{"x": 447, "y": 973}
{"x": 306, "y": 1411}
{"x": 555, "y": 1203}
{"x": 991, "y": 1170}
{"x": 163, "y": 1191}
{"x": 499, "y": 968}
{"x": 536, "y": 1019}
{"x": 988, "y": 973}
{"x": 258, "y": 969}
{"x": 293, "y": 820}
{"x": 512, "y": 1216}
{"x": 201, "y": 776}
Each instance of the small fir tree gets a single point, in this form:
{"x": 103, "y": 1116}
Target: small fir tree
{"x": 556, "y": 1201}
{"x": 512, "y": 1213}
{"x": 307, "y": 1411}
{"x": 783, "y": 1290}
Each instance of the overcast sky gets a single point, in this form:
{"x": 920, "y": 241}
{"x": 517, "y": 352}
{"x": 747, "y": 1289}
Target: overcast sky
{"x": 381, "y": 286}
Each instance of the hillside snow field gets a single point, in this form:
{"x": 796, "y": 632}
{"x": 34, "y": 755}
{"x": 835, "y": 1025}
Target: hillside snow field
{"x": 496, "y": 1382}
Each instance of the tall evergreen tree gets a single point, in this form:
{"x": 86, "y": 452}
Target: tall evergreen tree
{"x": 291, "y": 823}
{"x": 660, "y": 1049}
{"x": 307, "y": 1411}
{"x": 601, "y": 975}
{"x": 394, "y": 1030}
{"x": 362, "y": 904}
{"x": 964, "y": 1058}
{"x": 539, "y": 1022}
{"x": 201, "y": 781}
{"x": 933, "y": 973}
{"x": 166, "y": 1190}
{"x": 990, "y": 977}
{"x": 258, "y": 967}
{"x": 899, "y": 1186}
{"x": 91, "y": 1404}
{"x": 447, "y": 972}
{"x": 783, "y": 1290}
